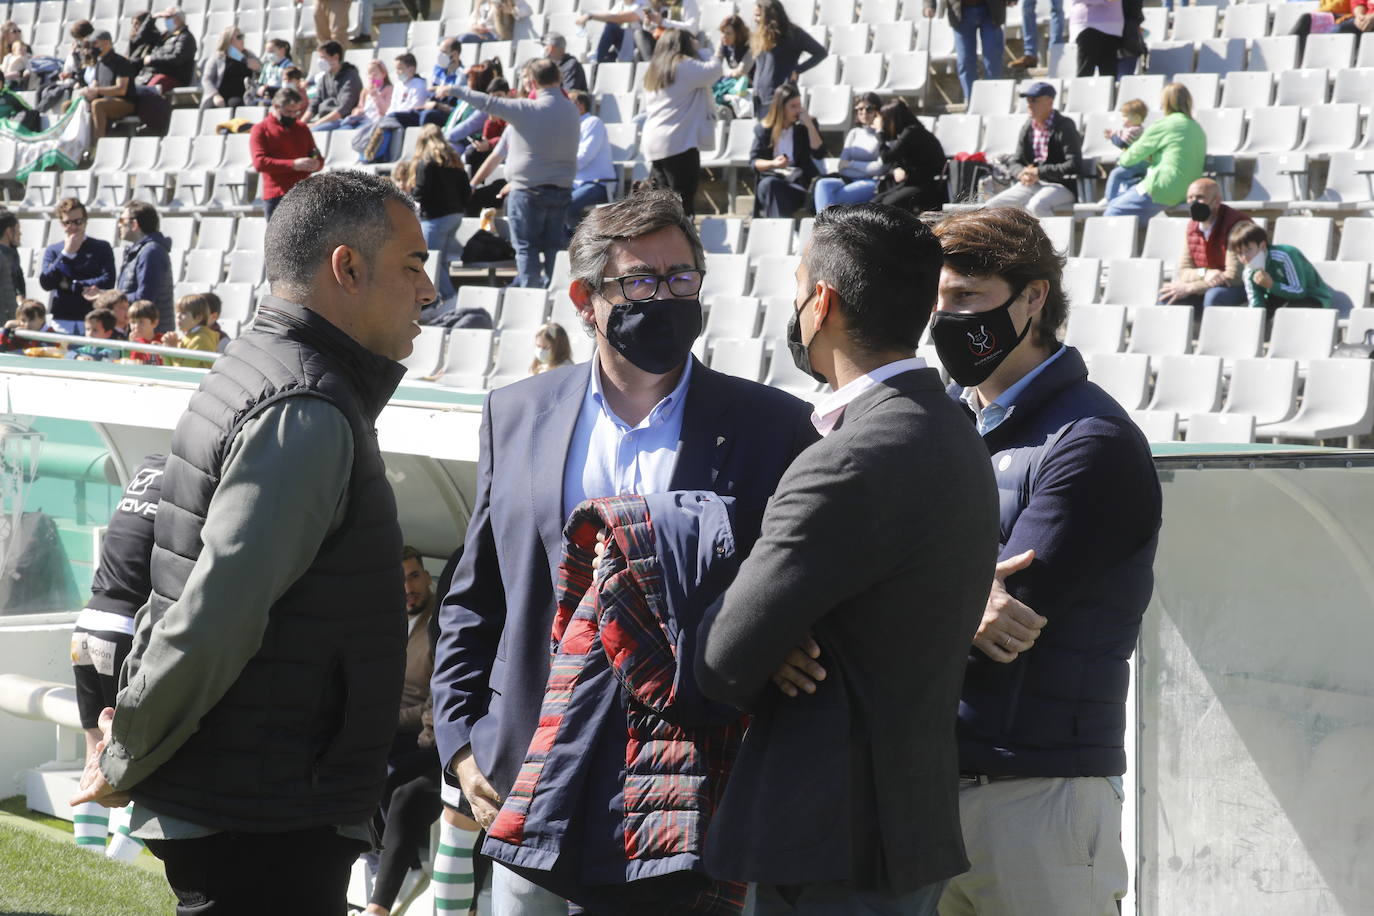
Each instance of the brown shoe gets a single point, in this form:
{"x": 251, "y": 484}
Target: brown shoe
{"x": 1025, "y": 62}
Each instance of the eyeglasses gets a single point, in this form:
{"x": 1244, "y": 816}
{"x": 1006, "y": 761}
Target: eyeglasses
{"x": 641, "y": 287}
{"x": 862, "y": 108}
{"x": 73, "y": 223}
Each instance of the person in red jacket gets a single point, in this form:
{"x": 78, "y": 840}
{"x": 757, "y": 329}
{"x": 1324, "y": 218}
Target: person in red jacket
{"x": 283, "y": 148}
{"x": 1208, "y": 273}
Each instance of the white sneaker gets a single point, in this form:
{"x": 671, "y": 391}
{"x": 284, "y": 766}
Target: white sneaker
{"x": 414, "y": 883}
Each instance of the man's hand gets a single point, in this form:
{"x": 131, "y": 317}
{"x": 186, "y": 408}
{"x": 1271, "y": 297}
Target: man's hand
{"x": 307, "y": 164}
{"x": 1215, "y": 278}
{"x": 479, "y": 793}
{"x": 1029, "y": 175}
{"x": 1009, "y": 627}
{"x": 1263, "y": 279}
{"x": 800, "y": 670}
{"x": 91, "y": 293}
{"x": 94, "y": 788}
{"x": 899, "y": 175}
{"x": 504, "y": 192}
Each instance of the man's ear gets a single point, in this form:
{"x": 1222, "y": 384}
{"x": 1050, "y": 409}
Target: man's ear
{"x": 825, "y": 302}
{"x": 581, "y": 295}
{"x": 1037, "y": 293}
{"x": 348, "y": 269}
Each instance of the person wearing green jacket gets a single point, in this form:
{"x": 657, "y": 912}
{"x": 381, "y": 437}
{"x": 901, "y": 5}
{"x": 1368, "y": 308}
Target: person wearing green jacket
{"x": 1176, "y": 149}
{"x": 1280, "y": 275}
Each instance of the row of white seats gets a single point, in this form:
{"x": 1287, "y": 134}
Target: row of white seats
{"x": 1227, "y": 332}
{"x": 1109, "y": 238}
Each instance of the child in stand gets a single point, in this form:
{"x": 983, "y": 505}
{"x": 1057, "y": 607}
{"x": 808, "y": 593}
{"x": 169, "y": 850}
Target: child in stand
{"x": 143, "y": 318}
{"x": 32, "y": 316}
{"x": 1133, "y": 125}
{"x": 100, "y": 324}
{"x": 216, "y": 307}
{"x": 16, "y": 66}
{"x": 1280, "y": 276}
{"x": 193, "y": 330}
{"x": 118, "y": 304}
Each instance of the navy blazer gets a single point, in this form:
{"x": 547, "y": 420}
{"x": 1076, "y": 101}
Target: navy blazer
{"x": 492, "y": 662}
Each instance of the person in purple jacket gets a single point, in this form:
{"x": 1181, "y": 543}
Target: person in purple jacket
{"x": 73, "y": 264}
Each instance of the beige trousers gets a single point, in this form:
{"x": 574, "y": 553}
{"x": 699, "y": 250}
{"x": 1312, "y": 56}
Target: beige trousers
{"x": 331, "y": 21}
{"x": 1039, "y": 846}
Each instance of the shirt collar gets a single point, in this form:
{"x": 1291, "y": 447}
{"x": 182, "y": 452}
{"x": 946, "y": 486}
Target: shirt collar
{"x": 663, "y": 411}
{"x": 828, "y": 412}
{"x": 1045, "y": 124}
{"x": 991, "y": 416}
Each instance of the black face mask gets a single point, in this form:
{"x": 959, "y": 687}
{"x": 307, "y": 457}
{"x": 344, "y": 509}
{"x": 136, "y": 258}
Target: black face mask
{"x": 801, "y": 353}
{"x": 286, "y": 121}
{"x": 656, "y": 335}
{"x": 971, "y": 347}
{"x": 1199, "y": 212}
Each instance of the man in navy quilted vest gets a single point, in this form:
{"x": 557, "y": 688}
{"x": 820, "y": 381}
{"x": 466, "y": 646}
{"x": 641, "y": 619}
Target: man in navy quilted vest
{"x": 1042, "y": 717}
{"x": 259, "y": 699}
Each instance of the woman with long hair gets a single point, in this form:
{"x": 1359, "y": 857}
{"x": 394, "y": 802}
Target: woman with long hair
{"x": 778, "y": 46}
{"x": 552, "y": 349}
{"x": 733, "y": 50}
{"x": 913, "y": 161}
{"x": 856, "y": 179}
{"x": 442, "y": 190}
{"x": 678, "y": 103}
{"x": 227, "y": 76}
{"x": 1176, "y": 148}
{"x": 786, "y": 146}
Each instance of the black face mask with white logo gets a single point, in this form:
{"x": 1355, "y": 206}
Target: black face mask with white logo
{"x": 801, "y": 353}
{"x": 656, "y": 335}
{"x": 971, "y": 347}
{"x": 1199, "y": 211}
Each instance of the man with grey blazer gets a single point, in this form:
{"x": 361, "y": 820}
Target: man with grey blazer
{"x": 847, "y": 629}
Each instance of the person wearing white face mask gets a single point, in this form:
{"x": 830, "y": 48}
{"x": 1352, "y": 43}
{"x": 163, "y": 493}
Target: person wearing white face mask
{"x": 173, "y": 64}
{"x": 276, "y": 60}
{"x": 1280, "y": 275}
{"x": 552, "y": 349}
{"x": 227, "y": 77}
{"x": 341, "y": 86}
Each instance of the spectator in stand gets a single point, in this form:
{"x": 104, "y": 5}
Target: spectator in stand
{"x": 556, "y": 49}
{"x": 542, "y": 162}
{"x": 494, "y": 20}
{"x": 331, "y": 22}
{"x": 1209, "y": 272}
{"x": 143, "y": 320}
{"x": 146, "y": 267}
{"x": 193, "y": 330}
{"x": 13, "y": 288}
{"x": 73, "y": 264}
{"x": 173, "y": 64}
{"x": 227, "y": 75}
{"x": 442, "y": 190}
{"x": 552, "y": 349}
{"x": 679, "y": 111}
{"x": 117, "y": 304}
{"x": 1340, "y": 16}
{"x": 914, "y": 162}
{"x": 341, "y": 86}
{"x": 144, "y": 36}
{"x": 276, "y": 60}
{"x": 111, "y": 90}
{"x": 99, "y": 324}
{"x": 31, "y": 316}
{"x": 1096, "y": 28}
{"x": 1280, "y": 275}
{"x": 283, "y": 149}
{"x": 1030, "y": 32}
{"x": 476, "y": 152}
{"x": 438, "y": 106}
{"x": 1049, "y": 154}
{"x": 1132, "y": 126}
{"x": 786, "y": 146}
{"x": 737, "y": 63}
{"x": 73, "y": 68}
{"x": 293, "y": 77}
{"x": 1176, "y": 148}
{"x": 622, "y": 37}
{"x": 856, "y": 180}
{"x": 10, "y": 32}
{"x": 414, "y": 91}
{"x": 595, "y": 180}
{"x": 975, "y": 21}
{"x": 16, "y": 65}
{"x": 372, "y": 105}
{"x": 778, "y": 46}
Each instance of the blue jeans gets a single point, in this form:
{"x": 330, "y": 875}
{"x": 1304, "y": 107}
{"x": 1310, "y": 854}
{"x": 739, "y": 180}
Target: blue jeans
{"x": 977, "y": 23}
{"x": 831, "y": 191}
{"x": 440, "y": 236}
{"x": 536, "y": 218}
{"x": 608, "y": 44}
{"x": 1031, "y": 32}
{"x": 1123, "y": 177}
{"x": 347, "y": 123}
{"x": 584, "y": 197}
{"x": 1133, "y": 202}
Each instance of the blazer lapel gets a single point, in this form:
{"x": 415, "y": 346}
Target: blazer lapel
{"x": 704, "y": 441}
{"x": 553, "y": 432}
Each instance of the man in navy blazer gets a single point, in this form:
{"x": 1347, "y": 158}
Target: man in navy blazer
{"x": 643, "y": 416}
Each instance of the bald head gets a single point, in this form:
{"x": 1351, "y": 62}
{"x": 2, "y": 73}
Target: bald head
{"x": 1205, "y": 190}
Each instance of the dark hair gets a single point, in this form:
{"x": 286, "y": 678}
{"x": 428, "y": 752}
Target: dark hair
{"x": 642, "y": 212}
{"x": 31, "y": 309}
{"x": 895, "y": 117}
{"x": 145, "y": 214}
{"x": 497, "y": 85}
{"x": 408, "y": 60}
{"x": 280, "y": 43}
{"x": 577, "y": 95}
{"x": 292, "y": 73}
{"x": 103, "y": 317}
{"x": 737, "y": 28}
{"x": 81, "y": 29}
{"x": 410, "y": 553}
{"x": 213, "y": 302}
{"x": 8, "y": 220}
{"x": 872, "y": 99}
{"x": 1008, "y": 242}
{"x": 545, "y": 73}
{"x": 1246, "y": 233}
{"x": 772, "y": 121}
{"x": 197, "y": 305}
{"x": 287, "y": 95}
{"x": 67, "y": 205}
{"x": 884, "y": 263}
{"x": 144, "y": 308}
{"x": 674, "y": 46}
{"x": 326, "y": 210}
{"x": 332, "y": 48}
{"x": 108, "y": 298}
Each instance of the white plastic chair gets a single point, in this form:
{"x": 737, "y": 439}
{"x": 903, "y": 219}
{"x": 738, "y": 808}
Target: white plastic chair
{"x": 775, "y": 276}
{"x": 1108, "y": 237}
{"x": 1336, "y": 402}
{"x": 1267, "y": 389}
{"x": 1124, "y": 376}
{"x": 1302, "y": 334}
{"x": 1089, "y": 93}
{"x": 1349, "y": 277}
{"x": 1278, "y": 179}
{"x": 1357, "y": 239}
{"x": 1231, "y": 332}
{"x": 1228, "y": 428}
{"x": 1096, "y": 328}
{"x": 469, "y": 358}
{"x": 1335, "y": 51}
{"x": 522, "y": 309}
{"x": 1247, "y": 90}
{"x": 1187, "y": 384}
{"x": 991, "y": 97}
{"x": 732, "y": 317}
{"x": 742, "y": 358}
{"x": 1162, "y": 330}
{"x": 1275, "y": 54}
{"x": 726, "y": 275}
{"x": 1302, "y": 87}
{"x": 1220, "y": 55}
{"x": 1081, "y": 277}
{"x": 427, "y": 350}
{"x": 1273, "y": 129}
{"x": 768, "y": 237}
{"x": 1157, "y": 425}
{"x": 1331, "y": 129}
{"x": 1312, "y": 234}
{"x": 721, "y": 235}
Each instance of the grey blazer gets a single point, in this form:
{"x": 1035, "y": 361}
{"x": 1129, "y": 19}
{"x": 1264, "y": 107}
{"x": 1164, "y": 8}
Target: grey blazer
{"x": 881, "y": 541}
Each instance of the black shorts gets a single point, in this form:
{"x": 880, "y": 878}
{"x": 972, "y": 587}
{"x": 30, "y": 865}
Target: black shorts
{"x": 97, "y": 656}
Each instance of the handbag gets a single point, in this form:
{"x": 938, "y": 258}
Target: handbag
{"x": 1356, "y": 350}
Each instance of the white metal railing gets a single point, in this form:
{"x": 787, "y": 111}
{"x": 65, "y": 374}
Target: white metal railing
{"x": 113, "y": 344}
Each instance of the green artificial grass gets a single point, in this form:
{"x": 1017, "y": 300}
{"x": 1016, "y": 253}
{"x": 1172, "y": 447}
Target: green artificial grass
{"x": 17, "y": 806}
{"x": 42, "y": 873}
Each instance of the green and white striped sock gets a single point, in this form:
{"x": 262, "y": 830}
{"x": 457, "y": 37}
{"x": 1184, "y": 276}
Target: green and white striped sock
{"x": 123, "y": 847}
{"x": 452, "y": 884}
{"x": 90, "y": 823}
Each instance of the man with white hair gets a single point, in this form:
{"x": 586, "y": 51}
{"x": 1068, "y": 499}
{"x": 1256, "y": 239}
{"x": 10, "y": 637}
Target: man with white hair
{"x": 556, "y": 49}
{"x": 173, "y": 63}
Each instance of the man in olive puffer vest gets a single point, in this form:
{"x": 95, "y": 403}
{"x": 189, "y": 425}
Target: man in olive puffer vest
{"x": 259, "y": 700}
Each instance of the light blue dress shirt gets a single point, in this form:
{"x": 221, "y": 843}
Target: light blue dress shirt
{"x": 608, "y": 457}
{"x": 990, "y": 417}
